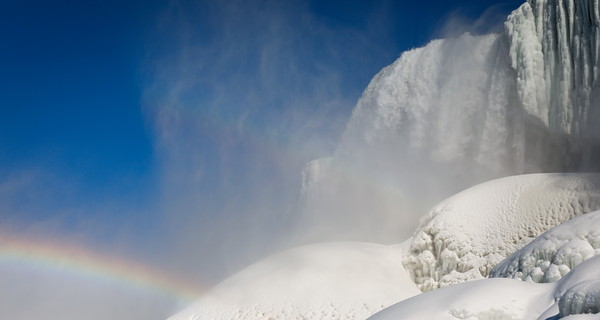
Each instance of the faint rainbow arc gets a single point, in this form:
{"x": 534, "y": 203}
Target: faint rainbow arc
{"x": 78, "y": 261}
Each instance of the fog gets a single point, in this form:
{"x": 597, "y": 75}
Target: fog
{"x": 241, "y": 99}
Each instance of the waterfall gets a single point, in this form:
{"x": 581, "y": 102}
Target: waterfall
{"x": 461, "y": 111}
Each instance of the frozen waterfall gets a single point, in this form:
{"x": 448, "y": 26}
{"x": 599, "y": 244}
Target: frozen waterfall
{"x": 460, "y": 111}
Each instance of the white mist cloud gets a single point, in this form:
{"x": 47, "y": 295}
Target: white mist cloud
{"x": 242, "y": 96}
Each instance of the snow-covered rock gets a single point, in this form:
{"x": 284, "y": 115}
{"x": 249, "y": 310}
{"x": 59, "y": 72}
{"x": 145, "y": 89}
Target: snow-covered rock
{"x": 465, "y": 236}
{"x": 572, "y": 297}
{"x": 321, "y": 281}
{"x": 553, "y": 254}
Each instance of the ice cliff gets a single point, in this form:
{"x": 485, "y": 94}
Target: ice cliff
{"x": 462, "y": 111}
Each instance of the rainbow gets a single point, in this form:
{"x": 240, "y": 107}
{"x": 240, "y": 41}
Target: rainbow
{"x": 78, "y": 261}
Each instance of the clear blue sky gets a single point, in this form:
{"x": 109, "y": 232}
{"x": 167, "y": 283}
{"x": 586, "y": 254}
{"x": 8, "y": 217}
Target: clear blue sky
{"x": 116, "y": 114}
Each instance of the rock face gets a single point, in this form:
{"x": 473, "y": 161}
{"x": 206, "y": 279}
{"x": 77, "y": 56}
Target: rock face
{"x": 462, "y": 111}
{"x": 465, "y": 236}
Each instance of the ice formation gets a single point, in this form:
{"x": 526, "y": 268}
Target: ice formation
{"x": 466, "y": 110}
{"x": 572, "y": 297}
{"x": 465, "y": 236}
{"x": 321, "y": 281}
{"x": 553, "y": 254}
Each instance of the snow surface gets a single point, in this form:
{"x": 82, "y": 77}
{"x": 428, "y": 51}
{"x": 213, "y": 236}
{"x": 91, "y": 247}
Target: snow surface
{"x": 553, "y": 254}
{"x": 465, "y": 236}
{"x": 321, "y": 281}
{"x": 575, "y": 294}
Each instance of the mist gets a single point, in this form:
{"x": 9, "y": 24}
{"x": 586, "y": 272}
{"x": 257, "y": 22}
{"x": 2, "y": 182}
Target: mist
{"x": 239, "y": 110}
{"x": 243, "y": 96}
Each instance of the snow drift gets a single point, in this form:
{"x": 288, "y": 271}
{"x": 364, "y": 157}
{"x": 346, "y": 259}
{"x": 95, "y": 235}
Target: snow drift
{"x": 577, "y": 293}
{"x": 330, "y": 280}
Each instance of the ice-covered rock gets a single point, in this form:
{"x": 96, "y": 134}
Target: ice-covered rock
{"x": 320, "y": 281}
{"x": 550, "y": 256}
{"x": 465, "y": 236}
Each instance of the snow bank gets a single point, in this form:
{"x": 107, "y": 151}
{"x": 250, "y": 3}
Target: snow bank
{"x": 482, "y": 300}
{"x": 331, "y": 280}
{"x": 550, "y": 256}
{"x": 569, "y": 298}
{"x": 465, "y": 236}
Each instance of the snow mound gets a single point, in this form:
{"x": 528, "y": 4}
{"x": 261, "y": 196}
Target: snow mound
{"x": 465, "y": 236}
{"x": 320, "y": 281}
{"x": 572, "y": 297}
{"x": 484, "y": 299}
{"x": 550, "y": 256}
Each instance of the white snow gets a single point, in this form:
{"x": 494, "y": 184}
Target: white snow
{"x": 550, "y": 256}
{"x": 577, "y": 293}
{"x": 321, "y": 281}
{"x": 464, "y": 237}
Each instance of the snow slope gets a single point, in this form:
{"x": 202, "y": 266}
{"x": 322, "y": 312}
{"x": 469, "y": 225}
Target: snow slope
{"x": 465, "y": 236}
{"x": 575, "y": 294}
{"x": 321, "y": 281}
{"x": 553, "y": 254}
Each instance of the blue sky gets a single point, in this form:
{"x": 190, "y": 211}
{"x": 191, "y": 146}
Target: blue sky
{"x": 156, "y": 125}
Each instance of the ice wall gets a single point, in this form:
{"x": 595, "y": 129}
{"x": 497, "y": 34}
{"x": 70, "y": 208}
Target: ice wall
{"x": 461, "y": 111}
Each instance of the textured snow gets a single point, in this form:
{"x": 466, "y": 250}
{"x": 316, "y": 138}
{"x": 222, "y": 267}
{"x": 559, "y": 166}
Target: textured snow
{"x": 571, "y": 298}
{"x": 550, "y": 256}
{"x": 321, "y": 281}
{"x": 465, "y": 236}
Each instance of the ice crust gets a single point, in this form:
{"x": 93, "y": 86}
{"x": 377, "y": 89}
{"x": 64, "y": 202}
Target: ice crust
{"x": 320, "y": 281}
{"x": 553, "y": 254}
{"x": 465, "y": 236}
